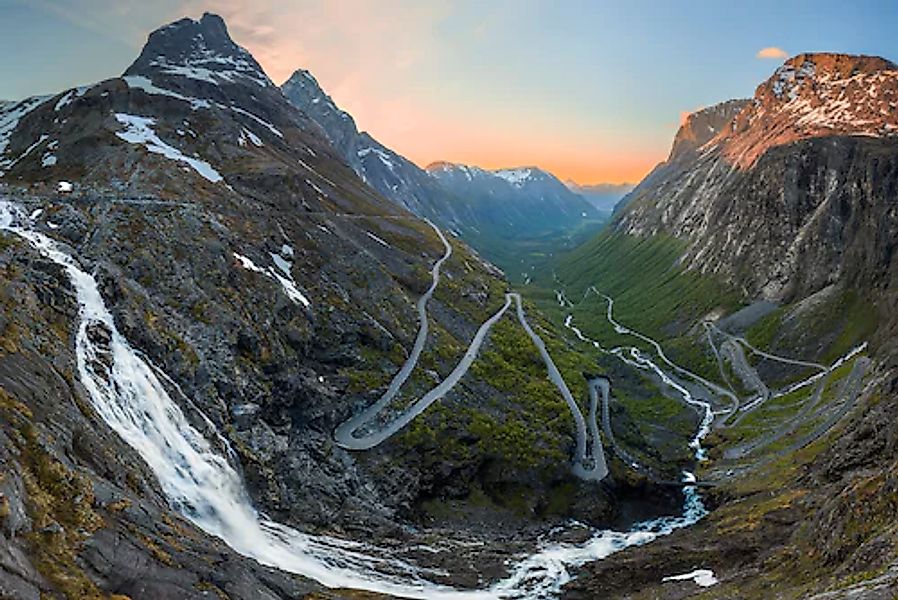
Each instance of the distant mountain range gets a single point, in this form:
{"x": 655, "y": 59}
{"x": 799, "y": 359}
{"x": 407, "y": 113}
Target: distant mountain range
{"x": 481, "y": 206}
{"x": 603, "y": 196}
{"x": 512, "y": 203}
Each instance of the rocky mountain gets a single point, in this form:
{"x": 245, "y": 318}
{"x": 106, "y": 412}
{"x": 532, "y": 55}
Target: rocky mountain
{"x": 391, "y": 174}
{"x": 522, "y": 202}
{"x": 697, "y": 130}
{"x": 701, "y": 127}
{"x": 815, "y": 95}
{"x": 485, "y": 208}
{"x": 773, "y": 224}
{"x": 220, "y": 271}
{"x": 603, "y": 196}
{"x": 786, "y": 198}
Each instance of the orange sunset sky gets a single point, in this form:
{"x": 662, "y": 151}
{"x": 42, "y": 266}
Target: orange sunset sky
{"x": 589, "y": 90}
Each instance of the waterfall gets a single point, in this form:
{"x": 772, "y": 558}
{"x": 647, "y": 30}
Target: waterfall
{"x": 127, "y": 394}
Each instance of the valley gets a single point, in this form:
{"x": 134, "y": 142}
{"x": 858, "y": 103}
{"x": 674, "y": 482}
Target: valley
{"x": 248, "y": 351}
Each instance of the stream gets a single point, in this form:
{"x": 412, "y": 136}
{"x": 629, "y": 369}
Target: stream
{"x": 126, "y": 392}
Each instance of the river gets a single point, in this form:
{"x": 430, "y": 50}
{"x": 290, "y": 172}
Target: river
{"x": 201, "y": 484}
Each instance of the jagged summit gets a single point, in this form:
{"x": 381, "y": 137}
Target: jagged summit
{"x": 199, "y": 50}
{"x": 303, "y": 85}
{"x": 814, "y": 95}
{"x": 304, "y": 91}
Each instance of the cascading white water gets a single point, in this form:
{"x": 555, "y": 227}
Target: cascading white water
{"x": 201, "y": 484}
{"x": 127, "y": 394}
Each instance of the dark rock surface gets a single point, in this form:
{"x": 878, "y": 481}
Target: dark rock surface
{"x": 790, "y": 200}
{"x": 185, "y": 169}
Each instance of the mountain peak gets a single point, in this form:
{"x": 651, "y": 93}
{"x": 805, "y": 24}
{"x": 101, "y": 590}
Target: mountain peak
{"x": 842, "y": 65}
{"x": 815, "y": 95}
{"x": 809, "y": 69}
{"x": 304, "y": 78}
{"x": 445, "y": 165}
{"x": 201, "y": 50}
{"x": 304, "y": 91}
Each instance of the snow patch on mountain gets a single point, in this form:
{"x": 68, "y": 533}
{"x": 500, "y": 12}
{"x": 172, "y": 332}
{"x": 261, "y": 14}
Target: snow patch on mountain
{"x": 281, "y": 274}
{"x": 68, "y": 97}
{"x": 49, "y": 159}
{"x": 258, "y": 120}
{"x": 10, "y": 117}
{"x": 139, "y": 82}
{"x": 139, "y": 130}
{"x": 701, "y": 577}
{"x": 246, "y": 134}
{"x": 515, "y": 177}
{"x": 384, "y": 157}
{"x": 380, "y": 241}
{"x": 204, "y": 64}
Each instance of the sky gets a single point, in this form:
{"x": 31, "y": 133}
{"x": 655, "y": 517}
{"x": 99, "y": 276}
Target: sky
{"x": 590, "y": 90}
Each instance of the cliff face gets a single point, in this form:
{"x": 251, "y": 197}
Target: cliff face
{"x": 702, "y": 126}
{"x": 797, "y": 189}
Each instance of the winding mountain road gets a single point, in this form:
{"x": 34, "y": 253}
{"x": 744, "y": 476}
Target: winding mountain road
{"x": 810, "y": 409}
{"x": 734, "y": 352}
{"x": 589, "y": 459}
{"x": 590, "y": 463}
{"x": 345, "y": 435}
{"x": 741, "y": 340}
{"x": 660, "y": 352}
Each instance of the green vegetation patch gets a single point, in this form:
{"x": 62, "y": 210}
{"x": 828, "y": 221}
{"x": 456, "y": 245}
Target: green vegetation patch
{"x": 829, "y": 329}
{"x": 524, "y": 422}
{"x": 651, "y": 288}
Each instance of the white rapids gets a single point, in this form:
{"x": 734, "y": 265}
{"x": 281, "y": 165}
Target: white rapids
{"x": 132, "y": 400}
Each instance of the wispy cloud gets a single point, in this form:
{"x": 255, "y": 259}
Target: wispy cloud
{"x": 772, "y": 52}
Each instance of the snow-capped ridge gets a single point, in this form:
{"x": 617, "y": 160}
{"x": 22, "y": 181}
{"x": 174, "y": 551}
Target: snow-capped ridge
{"x": 815, "y": 95}
{"x": 514, "y": 176}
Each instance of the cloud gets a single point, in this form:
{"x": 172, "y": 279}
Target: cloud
{"x": 772, "y": 52}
